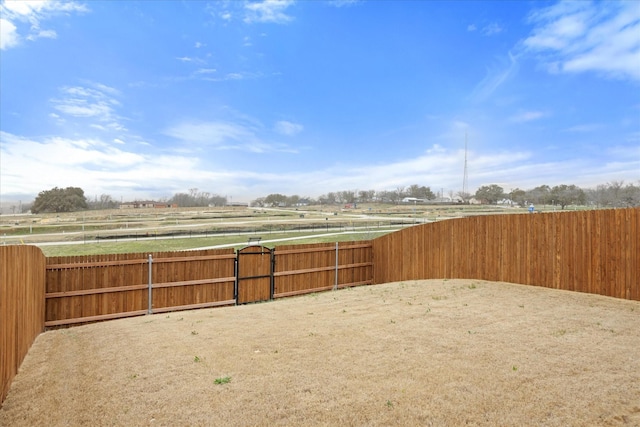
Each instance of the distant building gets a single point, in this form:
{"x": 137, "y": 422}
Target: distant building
{"x": 147, "y": 205}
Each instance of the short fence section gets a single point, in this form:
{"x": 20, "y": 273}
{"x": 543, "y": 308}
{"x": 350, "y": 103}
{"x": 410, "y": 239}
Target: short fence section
{"x": 103, "y": 287}
{"x": 93, "y": 288}
{"x": 302, "y": 269}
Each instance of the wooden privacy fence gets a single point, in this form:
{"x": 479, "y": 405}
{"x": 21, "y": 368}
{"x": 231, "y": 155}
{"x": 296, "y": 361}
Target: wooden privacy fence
{"x": 21, "y": 307}
{"x": 594, "y": 251}
{"x": 92, "y": 288}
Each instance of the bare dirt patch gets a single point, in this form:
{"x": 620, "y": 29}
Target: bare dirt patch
{"x": 437, "y": 352}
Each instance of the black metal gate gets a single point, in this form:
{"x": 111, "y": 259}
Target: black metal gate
{"x": 254, "y": 275}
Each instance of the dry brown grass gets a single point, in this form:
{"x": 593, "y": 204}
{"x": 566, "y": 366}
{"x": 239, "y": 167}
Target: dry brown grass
{"x": 453, "y": 352}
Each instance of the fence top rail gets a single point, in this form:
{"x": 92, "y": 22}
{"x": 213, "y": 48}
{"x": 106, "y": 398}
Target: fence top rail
{"x": 194, "y": 258}
{"x": 321, "y": 249}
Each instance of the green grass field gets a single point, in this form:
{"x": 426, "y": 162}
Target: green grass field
{"x": 179, "y": 244}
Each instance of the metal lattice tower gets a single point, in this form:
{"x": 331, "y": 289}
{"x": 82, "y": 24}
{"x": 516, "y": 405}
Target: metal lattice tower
{"x": 465, "y": 177}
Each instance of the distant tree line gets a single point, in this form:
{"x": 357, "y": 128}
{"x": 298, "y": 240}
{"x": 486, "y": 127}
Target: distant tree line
{"x": 612, "y": 194}
{"x": 72, "y": 199}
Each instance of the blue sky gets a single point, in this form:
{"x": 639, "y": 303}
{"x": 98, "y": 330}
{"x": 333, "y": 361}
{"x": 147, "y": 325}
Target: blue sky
{"x": 146, "y": 99}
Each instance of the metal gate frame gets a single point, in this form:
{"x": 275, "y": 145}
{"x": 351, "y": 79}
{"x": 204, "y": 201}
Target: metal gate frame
{"x": 263, "y": 250}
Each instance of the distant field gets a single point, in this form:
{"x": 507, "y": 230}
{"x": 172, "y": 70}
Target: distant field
{"x": 144, "y": 230}
{"x": 186, "y": 243}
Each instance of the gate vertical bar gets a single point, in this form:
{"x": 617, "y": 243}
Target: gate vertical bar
{"x": 273, "y": 269}
{"x": 150, "y": 298}
{"x": 335, "y": 285}
{"x": 236, "y": 266}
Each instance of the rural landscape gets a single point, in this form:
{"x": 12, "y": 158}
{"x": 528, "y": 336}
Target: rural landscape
{"x": 60, "y": 219}
{"x": 319, "y": 213}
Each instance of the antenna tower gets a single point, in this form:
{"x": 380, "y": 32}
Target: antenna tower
{"x": 465, "y": 177}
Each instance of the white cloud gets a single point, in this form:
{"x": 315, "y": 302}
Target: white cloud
{"x": 91, "y": 164}
{"x": 288, "y": 128}
{"x": 113, "y": 168}
{"x": 31, "y": 13}
{"x": 603, "y": 37}
{"x": 268, "y": 11}
{"x": 42, "y": 34}
{"x": 471, "y": 27}
{"x": 8, "y": 35}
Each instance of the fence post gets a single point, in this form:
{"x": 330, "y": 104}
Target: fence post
{"x": 150, "y": 308}
{"x": 335, "y": 285}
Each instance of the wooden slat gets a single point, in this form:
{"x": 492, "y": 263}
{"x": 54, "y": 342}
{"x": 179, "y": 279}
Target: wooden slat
{"x": 95, "y": 291}
{"x": 193, "y": 282}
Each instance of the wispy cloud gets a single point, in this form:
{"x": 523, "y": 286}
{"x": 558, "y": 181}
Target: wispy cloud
{"x": 228, "y": 76}
{"x": 489, "y": 29}
{"x": 220, "y": 134}
{"x": 205, "y": 70}
{"x": 288, "y": 128}
{"x": 343, "y": 3}
{"x": 224, "y": 135}
{"x": 492, "y": 29}
{"x": 268, "y": 11}
{"x": 527, "y": 116}
{"x": 588, "y": 127}
{"x": 602, "y": 37}
{"x": 96, "y": 102}
{"x": 32, "y": 14}
{"x": 190, "y": 59}
{"x": 497, "y": 74}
